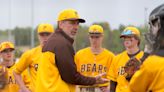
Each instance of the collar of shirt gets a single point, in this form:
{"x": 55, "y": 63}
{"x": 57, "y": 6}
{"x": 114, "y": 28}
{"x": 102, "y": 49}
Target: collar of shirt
{"x": 65, "y": 35}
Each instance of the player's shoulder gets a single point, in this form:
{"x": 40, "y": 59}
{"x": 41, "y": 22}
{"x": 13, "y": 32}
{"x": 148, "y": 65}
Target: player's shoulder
{"x": 83, "y": 51}
{"x": 121, "y": 54}
{"x": 36, "y": 48}
{"x": 13, "y": 66}
{"x": 141, "y": 53}
{"x": 154, "y": 62}
{"x": 31, "y": 51}
{"x": 56, "y": 37}
{"x": 154, "y": 59}
{"x": 56, "y": 42}
{"x": 26, "y": 53}
{"x": 108, "y": 52}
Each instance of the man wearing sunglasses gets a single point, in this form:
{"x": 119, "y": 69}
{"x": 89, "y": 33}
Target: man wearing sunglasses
{"x": 131, "y": 41}
{"x": 94, "y": 60}
{"x": 57, "y": 71}
{"x": 30, "y": 59}
{"x": 7, "y": 55}
{"x": 149, "y": 78}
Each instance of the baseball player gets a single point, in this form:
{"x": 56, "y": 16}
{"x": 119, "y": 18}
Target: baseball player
{"x": 7, "y": 55}
{"x": 149, "y": 78}
{"x": 30, "y": 59}
{"x": 57, "y": 70}
{"x": 131, "y": 40}
{"x": 95, "y": 59}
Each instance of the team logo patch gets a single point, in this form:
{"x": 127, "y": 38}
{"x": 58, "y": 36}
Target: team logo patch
{"x": 7, "y": 45}
{"x": 121, "y": 71}
{"x": 76, "y": 13}
{"x": 45, "y": 27}
{"x": 36, "y": 67}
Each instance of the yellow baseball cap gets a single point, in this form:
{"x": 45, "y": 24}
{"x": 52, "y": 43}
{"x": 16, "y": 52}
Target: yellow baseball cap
{"x": 69, "y": 14}
{"x": 96, "y": 29}
{"x": 6, "y": 45}
{"x": 48, "y": 28}
{"x": 130, "y": 31}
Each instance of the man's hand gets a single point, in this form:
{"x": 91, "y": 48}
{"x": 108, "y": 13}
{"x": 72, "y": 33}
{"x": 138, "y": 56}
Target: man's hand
{"x": 100, "y": 80}
{"x": 3, "y": 77}
{"x": 104, "y": 89}
{"x": 24, "y": 90}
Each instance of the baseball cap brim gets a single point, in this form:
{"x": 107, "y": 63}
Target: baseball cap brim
{"x": 95, "y": 34}
{"x": 125, "y": 36}
{"x": 132, "y": 35}
{"x": 7, "y": 48}
{"x": 79, "y": 19}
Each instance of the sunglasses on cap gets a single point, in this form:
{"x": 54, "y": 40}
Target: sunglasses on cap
{"x": 44, "y": 34}
{"x": 127, "y": 32}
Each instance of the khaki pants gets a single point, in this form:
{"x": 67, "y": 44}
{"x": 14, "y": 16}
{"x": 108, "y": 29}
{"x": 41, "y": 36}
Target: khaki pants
{"x": 89, "y": 89}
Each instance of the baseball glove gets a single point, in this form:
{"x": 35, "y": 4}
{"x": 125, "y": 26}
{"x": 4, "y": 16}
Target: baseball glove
{"x": 131, "y": 67}
{"x": 3, "y": 77}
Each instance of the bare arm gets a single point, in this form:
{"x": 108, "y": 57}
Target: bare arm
{"x": 20, "y": 82}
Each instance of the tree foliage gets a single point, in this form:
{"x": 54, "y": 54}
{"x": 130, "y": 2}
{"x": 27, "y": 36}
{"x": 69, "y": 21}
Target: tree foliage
{"x": 112, "y": 41}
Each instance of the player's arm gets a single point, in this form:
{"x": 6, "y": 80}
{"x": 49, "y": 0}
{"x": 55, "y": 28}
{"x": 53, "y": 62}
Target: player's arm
{"x": 112, "y": 75}
{"x": 141, "y": 79}
{"x": 3, "y": 77}
{"x": 20, "y": 67}
{"x": 26, "y": 79}
{"x": 20, "y": 82}
{"x": 67, "y": 68}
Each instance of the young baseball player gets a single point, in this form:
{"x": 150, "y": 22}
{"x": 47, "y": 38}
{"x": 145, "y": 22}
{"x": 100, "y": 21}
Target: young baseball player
{"x": 149, "y": 78}
{"x": 7, "y": 55}
{"x": 94, "y": 60}
{"x": 30, "y": 59}
{"x": 131, "y": 40}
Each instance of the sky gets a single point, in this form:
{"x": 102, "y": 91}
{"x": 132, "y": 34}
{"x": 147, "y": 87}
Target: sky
{"x": 24, "y": 13}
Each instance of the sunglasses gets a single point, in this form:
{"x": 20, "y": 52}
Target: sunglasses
{"x": 44, "y": 34}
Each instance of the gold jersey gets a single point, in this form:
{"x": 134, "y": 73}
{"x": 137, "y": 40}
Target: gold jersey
{"x": 91, "y": 65}
{"x": 12, "y": 85}
{"x": 30, "y": 59}
{"x": 48, "y": 76}
{"x": 117, "y": 73}
{"x": 149, "y": 78}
